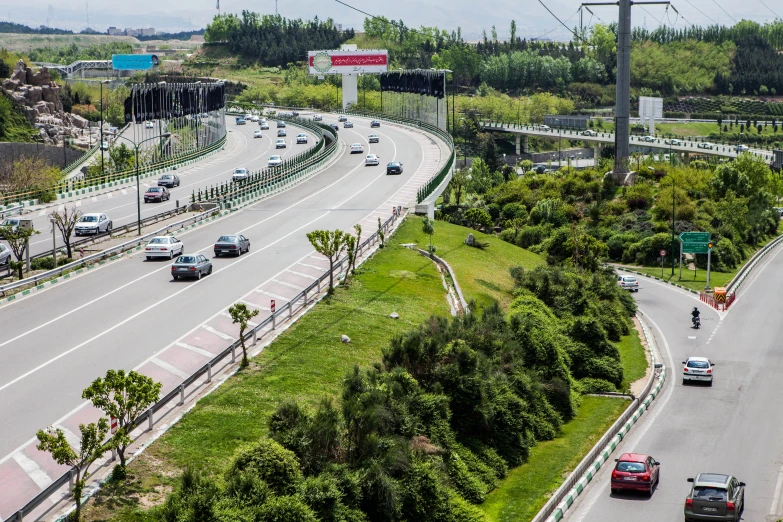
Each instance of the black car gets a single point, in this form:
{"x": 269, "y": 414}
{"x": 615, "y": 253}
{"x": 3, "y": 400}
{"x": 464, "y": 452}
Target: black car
{"x": 395, "y": 167}
{"x": 334, "y": 126}
{"x": 295, "y": 114}
{"x": 169, "y": 180}
{"x": 342, "y": 118}
{"x": 375, "y": 123}
{"x": 191, "y": 266}
{"x": 232, "y": 245}
{"x": 280, "y": 124}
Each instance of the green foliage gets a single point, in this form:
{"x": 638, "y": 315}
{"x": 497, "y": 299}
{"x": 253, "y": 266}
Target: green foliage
{"x": 13, "y": 123}
{"x": 478, "y": 217}
{"x": 679, "y": 67}
{"x": 269, "y": 461}
{"x": 241, "y": 314}
{"x": 74, "y": 53}
{"x": 330, "y": 244}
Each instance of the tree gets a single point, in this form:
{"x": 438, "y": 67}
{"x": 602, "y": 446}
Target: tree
{"x": 478, "y": 217}
{"x": 121, "y": 157}
{"x": 427, "y": 226}
{"x": 34, "y": 174}
{"x": 241, "y": 314}
{"x": 18, "y": 241}
{"x": 381, "y": 234}
{"x": 90, "y": 449}
{"x": 353, "y": 250}
{"x": 65, "y": 221}
{"x": 329, "y": 244}
{"x": 458, "y": 183}
{"x": 123, "y": 397}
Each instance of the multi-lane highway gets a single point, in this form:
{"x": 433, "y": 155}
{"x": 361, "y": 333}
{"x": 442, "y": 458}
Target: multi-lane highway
{"x": 54, "y": 343}
{"x": 733, "y": 427}
{"x": 242, "y": 150}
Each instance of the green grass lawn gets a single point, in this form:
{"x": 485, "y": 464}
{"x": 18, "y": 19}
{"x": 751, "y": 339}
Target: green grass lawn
{"x": 483, "y": 275}
{"x": 526, "y": 488}
{"x": 705, "y": 128}
{"x": 632, "y": 358}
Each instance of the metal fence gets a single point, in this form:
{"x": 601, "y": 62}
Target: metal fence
{"x": 269, "y": 325}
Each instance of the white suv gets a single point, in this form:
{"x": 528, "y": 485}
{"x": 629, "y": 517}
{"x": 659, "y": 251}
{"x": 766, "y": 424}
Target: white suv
{"x": 274, "y": 161}
{"x": 240, "y": 174}
{"x": 628, "y": 282}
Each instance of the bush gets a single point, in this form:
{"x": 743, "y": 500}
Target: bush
{"x": 591, "y": 385}
{"x": 533, "y": 235}
{"x": 272, "y": 463}
{"x": 286, "y": 509}
{"x": 725, "y": 256}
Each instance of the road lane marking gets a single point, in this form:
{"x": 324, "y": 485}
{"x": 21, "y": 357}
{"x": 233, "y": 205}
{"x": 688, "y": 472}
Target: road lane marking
{"x": 34, "y": 471}
{"x": 775, "y": 508}
{"x": 217, "y": 332}
{"x": 691, "y": 337}
{"x": 289, "y": 285}
{"x": 169, "y": 368}
{"x": 194, "y": 349}
{"x": 270, "y": 294}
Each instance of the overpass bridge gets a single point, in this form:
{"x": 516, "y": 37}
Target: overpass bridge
{"x": 685, "y": 147}
{"x": 67, "y": 71}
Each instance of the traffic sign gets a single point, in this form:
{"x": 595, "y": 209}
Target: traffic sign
{"x": 695, "y": 248}
{"x": 272, "y": 306}
{"x": 663, "y": 253}
{"x": 695, "y": 237}
{"x": 114, "y": 424}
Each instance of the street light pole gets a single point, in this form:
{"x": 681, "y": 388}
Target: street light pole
{"x": 101, "y": 146}
{"x": 160, "y": 118}
{"x": 673, "y": 191}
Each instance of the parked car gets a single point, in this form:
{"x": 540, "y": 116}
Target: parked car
{"x": 264, "y": 126}
{"x": 234, "y": 244}
{"x": 635, "y": 472}
{"x": 715, "y": 497}
{"x": 395, "y": 167}
{"x": 705, "y": 145}
{"x": 149, "y": 125}
{"x": 191, "y": 266}
{"x": 348, "y": 125}
{"x": 281, "y": 124}
{"x": 357, "y": 147}
{"x": 93, "y": 223}
{"x": 257, "y": 134}
{"x": 280, "y": 144}
{"x": 649, "y": 139}
{"x": 164, "y": 246}
{"x": 375, "y": 123}
{"x": 168, "y": 181}
{"x": 334, "y": 126}
{"x": 697, "y": 369}
{"x": 373, "y": 138}
{"x": 294, "y": 114}
{"x": 318, "y": 117}
{"x": 157, "y": 194}
{"x": 240, "y": 174}
{"x": 5, "y": 255}
{"x": 589, "y": 132}
{"x": 372, "y": 159}
{"x": 241, "y": 121}
{"x": 628, "y": 282}
{"x": 274, "y": 161}
{"x": 301, "y": 138}
{"x": 342, "y": 118}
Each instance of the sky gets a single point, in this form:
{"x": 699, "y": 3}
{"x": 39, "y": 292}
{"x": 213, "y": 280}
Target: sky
{"x": 471, "y": 15}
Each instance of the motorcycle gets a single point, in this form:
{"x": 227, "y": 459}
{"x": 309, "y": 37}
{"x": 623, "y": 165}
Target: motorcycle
{"x": 696, "y": 322}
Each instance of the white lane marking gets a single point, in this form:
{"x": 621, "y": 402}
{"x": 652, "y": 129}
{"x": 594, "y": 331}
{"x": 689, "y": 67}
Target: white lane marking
{"x": 170, "y": 368}
{"x": 34, "y": 471}
{"x": 270, "y": 294}
{"x": 691, "y": 337}
{"x": 110, "y": 195}
{"x": 775, "y": 508}
{"x": 94, "y": 199}
{"x": 194, "y": 349}
{"x": 71, "y": 437}
{"x": 756, "y": 276}
{"x": 124, "y": 192}
{"x": 220, "y": 334}
{"x": 299, "y": 273}
{"x": 289, "y": 285}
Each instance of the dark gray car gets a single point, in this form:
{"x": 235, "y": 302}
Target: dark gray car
{"x": 234, "y": 245}
{"x": 394, "y": 167}
{"x": 715, "y": 497}
{"x": 169, "y": 181}
{"x": 5, "y": 255}
{"x": 193, "y": 266}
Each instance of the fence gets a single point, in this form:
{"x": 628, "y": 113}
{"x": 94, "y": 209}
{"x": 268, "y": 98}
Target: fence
{"x": 297, "y": 303}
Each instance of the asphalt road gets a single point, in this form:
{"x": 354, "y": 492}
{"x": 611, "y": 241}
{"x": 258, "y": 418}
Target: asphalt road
{"x": 120, "y": 206}
{"x": 732, "y": 427}
{"x": 55, "y": 342}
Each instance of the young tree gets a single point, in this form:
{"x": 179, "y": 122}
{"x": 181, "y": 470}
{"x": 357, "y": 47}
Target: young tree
{"x": 350, "y": 249}
{"x": 65, "y": 221}
{"x": 478, "y": 217}
{"x": 458, "y": 183}
{"x": 358, "y": 228}
{"x": 33, "y": 173}
{"x": 381, "y": 234}
{"x": 241, "y": 314}
{"x": 18, "y": 241}
{"x": 330, "y": 244}
{"x": 123, "y": 397}
{"x": 428, "y": 228}
{"x": 90, "y": 449}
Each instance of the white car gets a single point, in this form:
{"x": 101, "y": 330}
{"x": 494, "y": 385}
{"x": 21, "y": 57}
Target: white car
{"x": 697, "y": 369}
{"x": 301, "y": 138}
{"x": 741, "y": 148}
{"x": 543, "y": 127}
{"x": 318, "y": 117}
{"x": 257, "y": 133}
{"x": 264, "y": 126}
{"x": 93, "y": 223}
{"x": 357, "y": 147}
{"x": 672, "y": 142}
{"x": 373, "y": 138}
{"x": 705, "y": 145}
{"x": 589, "y": 133}
{"x": 5, "y": 255}
{"x": 248, "y": 117}
{"x": 261, "y": 120}
{"x": 280, "y": 144}
{"x": 149, "y": 125}
{"x": 649, "y": 139}
{"x": 240, "y": 174}
{"x": 348, "y": 125}
{"x": 372, "y": 159}
{"x": 104, "y": 145}
{"x": 628, "y": 282}
{"x": 164, "y": 246}
{"x": 274, "y": 161}
{"x": 254, "y": 118}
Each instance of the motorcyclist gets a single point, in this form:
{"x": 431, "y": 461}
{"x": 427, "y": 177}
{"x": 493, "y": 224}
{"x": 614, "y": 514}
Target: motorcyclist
{"x": 694, "y": 315}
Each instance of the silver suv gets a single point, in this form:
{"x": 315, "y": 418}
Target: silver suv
{"x": 628, "y": 282}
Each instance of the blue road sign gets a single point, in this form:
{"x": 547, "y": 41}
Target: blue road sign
{"x": 133, "y": 62}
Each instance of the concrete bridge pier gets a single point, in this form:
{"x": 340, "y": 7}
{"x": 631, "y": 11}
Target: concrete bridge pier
{"x": 686, "y": 158}
{"x": 522, "y": 144}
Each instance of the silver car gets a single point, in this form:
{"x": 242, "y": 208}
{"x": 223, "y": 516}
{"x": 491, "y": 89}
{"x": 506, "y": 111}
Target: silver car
{"x": 93, "y": 223}
{"x": 191, "y": 266}
{"x": 5, "y": 255}
{"x": 164, "y": 246}
{"x": 715, "y": 497}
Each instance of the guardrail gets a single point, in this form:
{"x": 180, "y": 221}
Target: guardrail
{"x": 11, "y": 211}
{"x": 298, "y": 303}
{"x": 65, "y": 188}
{"x": 564, "y": 496}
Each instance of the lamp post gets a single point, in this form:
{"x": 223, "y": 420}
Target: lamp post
{"x": 674, "y": 186}
{"x": 101, "y": 146}
{"x": 559, "y": 137}
{"x": 160, "y": 117}
{"x": 138, "y": 190}
{"x": 198, "y": 114}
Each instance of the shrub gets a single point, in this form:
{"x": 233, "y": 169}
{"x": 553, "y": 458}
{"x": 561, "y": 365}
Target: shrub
{"x": 286, "y": 509}
{"x": 272, "y": 463}
{"x": 591, "y": 385}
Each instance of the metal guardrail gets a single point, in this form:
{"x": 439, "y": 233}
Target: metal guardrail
{"x": 739, "y": 278}
{"x": 11, "y": 211}
{"x": 298, "y": 303}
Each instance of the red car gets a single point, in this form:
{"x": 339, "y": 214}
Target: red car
{"x": 157, "y": 194}
{"x": 635, "y": 472}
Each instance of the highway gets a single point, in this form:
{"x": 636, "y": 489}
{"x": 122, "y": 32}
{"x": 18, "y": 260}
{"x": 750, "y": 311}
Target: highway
{"x": 242, "y": 150}
{"x": 55, "y": 342}
{"x": 732, "y": 427}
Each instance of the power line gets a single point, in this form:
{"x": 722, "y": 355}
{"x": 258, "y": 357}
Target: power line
{"x": 722, "y": 9}
{"x": 702, "y": 12}
{"x": 770, "y": 10}
{"x": 649, "y": 13}
{"x": 558, "y": 19}
{"x": 556, "y": 28}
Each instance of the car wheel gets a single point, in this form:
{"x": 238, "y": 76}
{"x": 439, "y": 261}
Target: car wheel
{"x": 209, "y": 272}
{"x": 709, "y": 384}
{"x": 171, "y": 255}
{"x": 149, "y": 258}
{"x": 176, "y": 278}
{"x": 198, "y": 275}
{"x": 108, "y": 228}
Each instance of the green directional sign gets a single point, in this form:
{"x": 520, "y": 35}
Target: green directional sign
{"x": 695, "y": 248}
{"x": 695, "y": 237}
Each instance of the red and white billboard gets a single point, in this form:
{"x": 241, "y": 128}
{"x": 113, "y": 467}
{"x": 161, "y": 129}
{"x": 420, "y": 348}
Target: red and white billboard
{"x": 348, "y": 62}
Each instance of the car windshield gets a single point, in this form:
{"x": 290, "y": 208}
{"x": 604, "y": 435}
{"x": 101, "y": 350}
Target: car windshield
{"x": 227, "y": 239}
{"x": 710, "y": 493}
{"x": 154, "y": 189}
{"x": 167, "y": 176}
{"x": 186, "y": 260}
{"x": 159, "y": 240}
{"x": 11, "y": 223}
{"x": 629, "y": 279}
{"x": 240, "y": 171}
{"x": 89, "y": 219}
{"x": 630, "y": 467}
{"x": 698, "y": 364}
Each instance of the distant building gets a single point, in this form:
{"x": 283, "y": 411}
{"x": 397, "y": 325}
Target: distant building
{"x": 147, "y": 32}
{"x": 131, "y": 32}
{"x": 114, "y": 31}
{"x": 337, "y": 27}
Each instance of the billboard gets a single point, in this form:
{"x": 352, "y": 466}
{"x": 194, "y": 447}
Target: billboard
{"x": 348, "y": 62}
{"x": 133, "y": 62}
